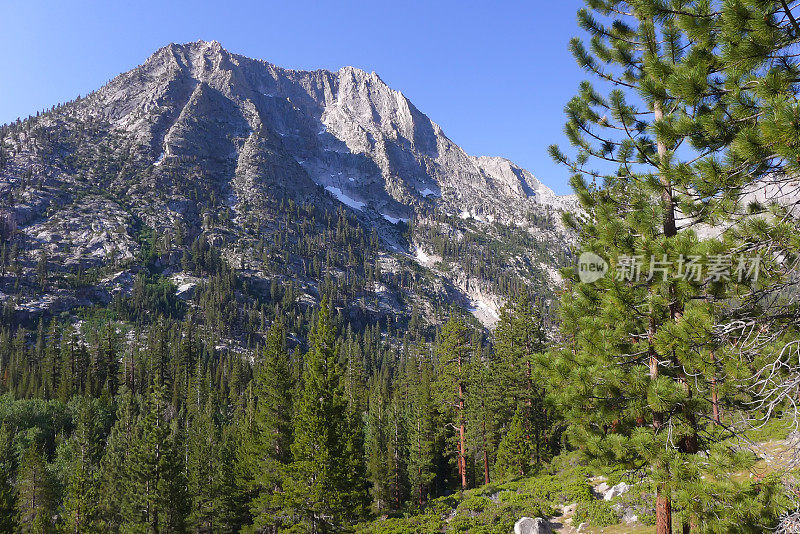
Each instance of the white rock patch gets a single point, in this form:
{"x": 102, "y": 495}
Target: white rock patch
{"x": 344, "y": 199}
{"x": 428, "y": 192}
{"x": 394, "y": 220}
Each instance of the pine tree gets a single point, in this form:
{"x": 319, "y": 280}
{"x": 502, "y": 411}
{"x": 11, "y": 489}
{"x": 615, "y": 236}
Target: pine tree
{"x": 397, "y": 445}
{"x": 518, "y": 378}
{"x": 66, "y": 380}
{"x": 81, "y": 512}
{"x": 105, "y": 364}
{"x": 354, "y": 372}
{"x": 173, "y": 495}
{"x": 514, "y": 454}
{"x": 116, "y": 488}
{"x": 421, "y": 434}
{"x": 452, "y": 354}
{"x": 634, "y": 373}
{"x": 157, "y": 499}
{"x": 377, "y": 443}
{"x": 758, "y": 42}
{"x": 204, "y": 469}
{"x": 235, "y": 500}
{"x": 268, "y": 452}
{"x": 324, "y": 485}
{"x": 50, "y": 362}
{"x": 35, "y": 493}
{"x": 484, "y": 411}
{"x": 241, "y": 435}
{"x": 8, "y": 496}
{"x": 42, "y": 270}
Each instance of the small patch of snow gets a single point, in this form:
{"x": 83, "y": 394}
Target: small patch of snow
{"x": 394, "y": 220}
{"x": 428, "y": 192}
{"x": 421, "y": 256}
{"x": 425, "y": 259}
{"x": 185, "y": 287}
{"x": 344, "y": 199}
{"x": 159, "y": 160}
{"x": 380, "y": 288}
{"x": 485, "y": 313}
{"x": 491, "y": 311}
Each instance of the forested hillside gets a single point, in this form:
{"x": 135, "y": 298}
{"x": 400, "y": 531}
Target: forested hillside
{"x": 156, "y": 428}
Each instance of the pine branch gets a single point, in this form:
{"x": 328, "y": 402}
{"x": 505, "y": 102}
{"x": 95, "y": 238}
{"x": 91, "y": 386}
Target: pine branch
{"x": 791, "y": 17}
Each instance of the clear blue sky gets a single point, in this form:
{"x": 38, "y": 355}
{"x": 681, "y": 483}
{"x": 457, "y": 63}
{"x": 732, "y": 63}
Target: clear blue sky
{"x": 494, "y": 75}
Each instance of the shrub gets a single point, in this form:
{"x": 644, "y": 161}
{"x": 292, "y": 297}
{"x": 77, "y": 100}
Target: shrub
{"x": 577, "y": 490}
{"x": 597, "y": 513}
{"x": 473, "y": 503}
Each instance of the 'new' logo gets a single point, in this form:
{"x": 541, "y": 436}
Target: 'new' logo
{"x": 591, "y": 267}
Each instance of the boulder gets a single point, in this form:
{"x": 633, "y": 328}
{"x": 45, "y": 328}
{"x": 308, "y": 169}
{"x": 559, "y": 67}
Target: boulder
{"x": 568, "y": 509}
{"x": 616, "y": 491}
{"x": 527, "y": 525}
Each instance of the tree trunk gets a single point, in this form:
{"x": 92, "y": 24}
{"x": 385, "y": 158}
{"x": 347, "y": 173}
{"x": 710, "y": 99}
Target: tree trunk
{"x": 419, "y": 465}
{"x": 663, "y": 510}
{"x": 485, "y": 457}
{"x": 485, "y": 451}
{"x": 663, "y": 502}
{"x": 669, "y": 227}
{"x": 396, "y": 464}
{"x": 689, "y": 445}
{"x": 714, "y": 397}
{"x": 658, "y": 419}
{"x": 462, "y": 457}
{"x": 486, "y": 467}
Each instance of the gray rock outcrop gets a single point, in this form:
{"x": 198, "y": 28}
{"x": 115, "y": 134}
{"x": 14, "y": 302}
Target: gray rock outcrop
{"x": 528, "y": 525}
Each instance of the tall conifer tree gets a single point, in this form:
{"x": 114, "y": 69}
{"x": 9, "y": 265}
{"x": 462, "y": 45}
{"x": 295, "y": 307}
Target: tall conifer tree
{"x": 8, "y": 495}
{"x": 634, "y": 373}
{"x": 421, "y": 433}
{"x": 268, "y": 451}
{"x": 452, "y": 355}
{"x": 324, "y": 487}
{"x": 36, "y": 496}
{"x": 81, "y": 511}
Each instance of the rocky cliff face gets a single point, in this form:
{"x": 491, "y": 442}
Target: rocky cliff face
{"x": 210, "y": 141}
{"x": 348, "y": 131}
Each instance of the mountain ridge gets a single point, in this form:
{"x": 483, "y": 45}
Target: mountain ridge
{"x": 338, "y": 97}
{"x": 200, "y": 142}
